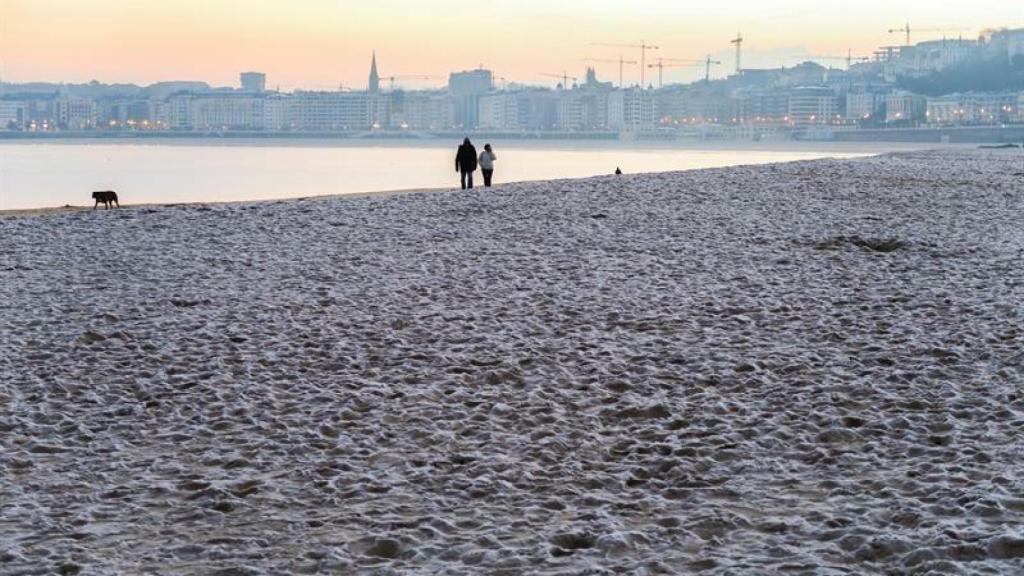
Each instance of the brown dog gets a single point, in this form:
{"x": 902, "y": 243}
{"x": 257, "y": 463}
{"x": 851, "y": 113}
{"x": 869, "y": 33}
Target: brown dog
{"x": 108, "y": 197}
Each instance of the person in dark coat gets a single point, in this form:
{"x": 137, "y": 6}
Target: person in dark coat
{"x": 465, "y": 163}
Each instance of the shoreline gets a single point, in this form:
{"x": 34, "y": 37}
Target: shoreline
{"x": 509, "y": 143}
{"x": 50, "y": 210}
{"x": 935, "y": 134}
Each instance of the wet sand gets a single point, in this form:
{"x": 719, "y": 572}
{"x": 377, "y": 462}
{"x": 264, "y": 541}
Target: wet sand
{"x": 22, "y": 212}
{"x": 805, "y": 368}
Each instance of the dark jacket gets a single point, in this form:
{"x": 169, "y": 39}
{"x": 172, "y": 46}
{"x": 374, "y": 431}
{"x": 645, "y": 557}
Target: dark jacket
{"x": 465, "y": 158}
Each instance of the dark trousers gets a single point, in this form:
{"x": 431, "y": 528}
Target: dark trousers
{"x": 467, "y": 179}
{"x": 487, "y": 176}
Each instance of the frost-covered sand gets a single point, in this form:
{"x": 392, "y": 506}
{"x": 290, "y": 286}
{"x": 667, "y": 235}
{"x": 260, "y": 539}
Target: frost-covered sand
{"x": 810, "y": 368}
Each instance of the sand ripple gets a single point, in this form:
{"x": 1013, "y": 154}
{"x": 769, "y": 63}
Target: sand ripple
{"x": 809, "y": 368}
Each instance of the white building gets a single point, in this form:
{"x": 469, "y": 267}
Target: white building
{"x": 750, "y": 105}
{"x": 227, "y": 112}
{"x": 904, "y": 107}
{"x": 520, "y": 110}
{"x": 424, "y": 111}
{"x": 75, "y": 113}
{"x": 929, "y": 57}
{"x": 179, "y": 112}
{"x": 134, "y": 113}
{"x": 938, "y": 55}
{"x": 946, "y": 109}
{"x": 812, "y": 105}
{"x": 12, "y": 115}
{"x": 467, "y": 88}
{"x": 630, "y": 109}
{"x": 253, "y": 82}
{"x": 571, "y": 114}
{"x": 864, "y": 106}
{"x": 40, "y": 114}
{"x": 160, "y": 115}
{"x": 501, "y": 111}
{"x": 1008, "y": 43}
{"x": 331, "y": 111}
{"x": 275, "y": 112}
{"x": 973, "y": 108}
{"x": 581, "y": 110}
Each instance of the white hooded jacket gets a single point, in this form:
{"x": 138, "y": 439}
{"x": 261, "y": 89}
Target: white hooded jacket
{"x": 487, "y": 160}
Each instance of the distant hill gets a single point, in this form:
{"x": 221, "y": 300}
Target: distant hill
{"x": 94, "y": 89}
{"x": 97, "y": 90}
{"x": 162, "y": 90}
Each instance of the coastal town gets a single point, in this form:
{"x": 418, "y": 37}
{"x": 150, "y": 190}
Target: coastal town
{"x": 948, "y": 89}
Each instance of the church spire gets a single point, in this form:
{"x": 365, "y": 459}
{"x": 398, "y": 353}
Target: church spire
{"x": 374, "y": 77}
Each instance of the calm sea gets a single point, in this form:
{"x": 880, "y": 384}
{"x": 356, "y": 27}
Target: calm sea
{"x": 46, "y": 174}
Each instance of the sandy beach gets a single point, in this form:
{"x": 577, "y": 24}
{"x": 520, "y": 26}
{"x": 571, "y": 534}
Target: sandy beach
{"x": 22, "y": 212}
{"x": 803, "y": 368}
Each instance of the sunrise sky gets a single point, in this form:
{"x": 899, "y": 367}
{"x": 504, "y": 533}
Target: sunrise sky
{"x": 318, "y": 44}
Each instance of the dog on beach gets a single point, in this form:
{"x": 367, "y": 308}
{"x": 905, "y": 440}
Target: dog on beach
{"x": 108, "y": 197}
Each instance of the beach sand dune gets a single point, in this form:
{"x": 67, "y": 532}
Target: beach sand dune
{"x": 806, "y": 368}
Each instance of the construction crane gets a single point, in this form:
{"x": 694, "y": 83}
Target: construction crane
{"x": 906, "y": 29}
{"x": 643, "y": 46}
{"x": 620, "y": 62}
{"x": 391, "y": 79}
{"x": 672, "y": 63}
{"x": 849, "y": 58}
{"x": 564, "y": 77}
{"x": 738, "y": 41}
{"x": 708, "y": 62}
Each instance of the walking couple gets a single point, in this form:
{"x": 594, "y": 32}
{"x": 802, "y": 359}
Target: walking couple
{"x": 466, "y": 162}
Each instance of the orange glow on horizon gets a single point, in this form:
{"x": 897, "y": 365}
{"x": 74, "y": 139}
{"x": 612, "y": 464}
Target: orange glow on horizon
{"x": 317, "y": 44}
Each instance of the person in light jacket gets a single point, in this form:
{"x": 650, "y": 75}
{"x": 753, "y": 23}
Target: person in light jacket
{"x": 487, "y": 158}
{"x": 465, "y": 163}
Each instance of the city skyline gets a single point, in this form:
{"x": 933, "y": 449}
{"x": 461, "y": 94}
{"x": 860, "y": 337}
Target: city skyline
{"x": 321, "y": 44}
